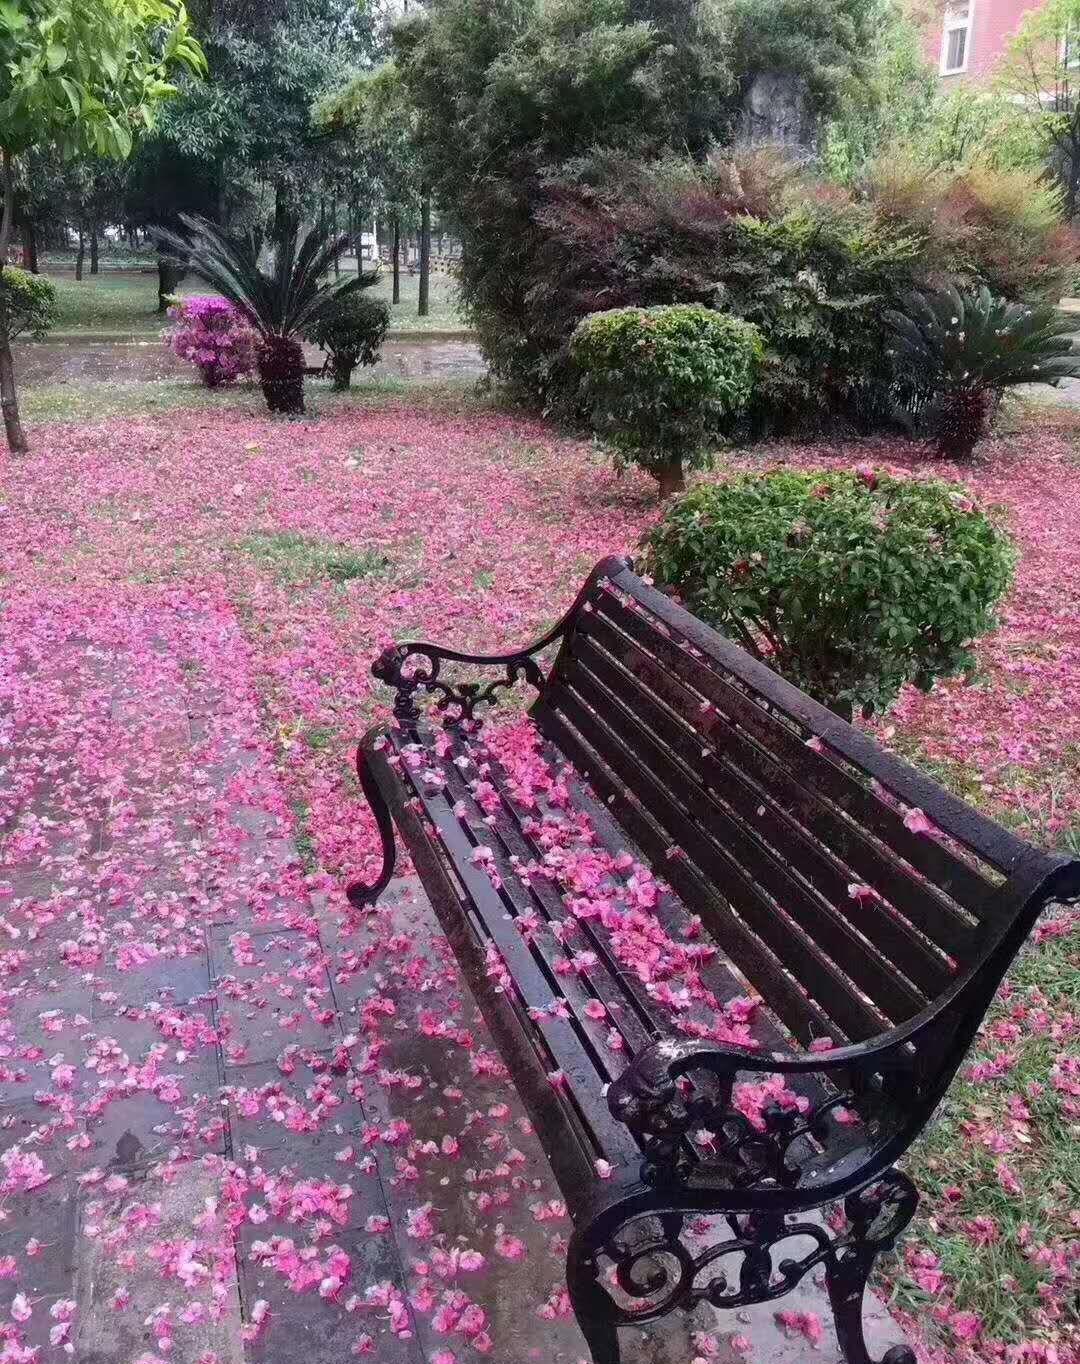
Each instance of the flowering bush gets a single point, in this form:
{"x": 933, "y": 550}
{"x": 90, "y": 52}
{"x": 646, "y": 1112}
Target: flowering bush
{"x": 214, "y": 336}
{"x": 850, "y": 584}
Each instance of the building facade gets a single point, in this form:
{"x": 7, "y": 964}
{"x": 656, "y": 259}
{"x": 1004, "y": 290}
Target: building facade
{"x": 965, "y": 39}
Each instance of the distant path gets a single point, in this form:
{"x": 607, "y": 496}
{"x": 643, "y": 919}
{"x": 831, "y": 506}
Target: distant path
{"x": 75, "y": 362}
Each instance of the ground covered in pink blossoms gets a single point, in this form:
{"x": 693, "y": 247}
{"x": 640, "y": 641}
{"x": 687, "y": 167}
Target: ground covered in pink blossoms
{"x": 188, "y": 611}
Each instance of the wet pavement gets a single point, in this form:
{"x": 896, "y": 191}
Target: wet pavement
{"x": 78, "y": 362}
{"x": 237, "y": 1121}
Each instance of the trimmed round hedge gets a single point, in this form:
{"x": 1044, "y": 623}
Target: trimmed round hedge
{"x": 848, "y": 583}
{"x": 351, "y": 331}
{"x": 658, "y": 382}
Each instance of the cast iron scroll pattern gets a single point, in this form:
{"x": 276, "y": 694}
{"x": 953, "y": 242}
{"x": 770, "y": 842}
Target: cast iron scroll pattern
{"x": 665, "y": 1117}
{"x": 417, "y": 666}
{"x": 659, "y": 1272}
{"x": 411, "y": 668}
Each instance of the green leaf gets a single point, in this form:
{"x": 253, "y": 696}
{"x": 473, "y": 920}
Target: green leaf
{"x": 56, "y": 54}
{"x": 72, "y": 92}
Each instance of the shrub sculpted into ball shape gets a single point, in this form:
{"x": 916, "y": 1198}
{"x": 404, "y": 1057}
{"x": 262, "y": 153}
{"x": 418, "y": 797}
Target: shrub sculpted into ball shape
{"x": 849, "y": 584}
{"x": 215, "y": 336}
{"x": 659, "y": 382}
{"x": 351, "y": 332}
{"x": 29, "y": 301}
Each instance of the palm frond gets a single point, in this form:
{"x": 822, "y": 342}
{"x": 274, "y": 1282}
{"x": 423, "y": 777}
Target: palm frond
{"x": 282, "y": 299}
{"x": 949, "y": 339}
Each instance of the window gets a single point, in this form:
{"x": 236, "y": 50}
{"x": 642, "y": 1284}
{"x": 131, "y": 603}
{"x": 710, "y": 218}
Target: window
{"x": 956, "y": 38}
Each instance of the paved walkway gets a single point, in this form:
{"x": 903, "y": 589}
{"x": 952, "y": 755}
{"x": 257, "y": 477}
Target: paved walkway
{"x": 233, "y": 1125}
{"x": 80, "y": 362}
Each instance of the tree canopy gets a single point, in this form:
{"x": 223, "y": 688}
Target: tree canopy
{"x": 88, "y": 75}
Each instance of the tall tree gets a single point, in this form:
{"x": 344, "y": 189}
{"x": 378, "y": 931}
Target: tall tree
{"x": 509, "y": 91}
{"x": 85, "y": 76}
{"x": 373, "y": 116}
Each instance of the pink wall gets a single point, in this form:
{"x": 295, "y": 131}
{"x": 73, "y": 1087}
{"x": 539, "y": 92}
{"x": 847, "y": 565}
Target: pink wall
{"x": 993, "y": 23}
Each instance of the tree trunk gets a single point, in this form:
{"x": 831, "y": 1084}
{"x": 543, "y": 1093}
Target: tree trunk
{"x": 30, "y": 240}
{"x": 285, "y": 219}
{"x": 670, "y": 476}
{"x": 425, "y": 253}
{"x": 169, "y": 276}
{"x": 9, "y": 398}
{"x": 280, "y": 361}
{"x": 93, "y": 250}
{"x": 80, "y": 255}
{"x": 397, "y": 262}
{"x": 341, "y": 367}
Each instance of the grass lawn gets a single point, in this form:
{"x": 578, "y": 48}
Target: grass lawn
{"x": 427, "y": 515}
{"x": 97, "y": 401}
{"x": 123, "y": 303}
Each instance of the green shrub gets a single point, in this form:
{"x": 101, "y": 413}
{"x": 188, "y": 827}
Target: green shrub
{"x": 979, "y": 225}
{"x": 849, "y": 584}
{"x": 351, "y": 332}
{"x": 659, "y": 381}
{"x": 29, "y": 301}
{"x": 811, "y": 263}
{"x": 962, "y": 350}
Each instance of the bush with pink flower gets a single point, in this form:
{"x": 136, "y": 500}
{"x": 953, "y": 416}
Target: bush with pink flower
{"x": 215, "y": 336}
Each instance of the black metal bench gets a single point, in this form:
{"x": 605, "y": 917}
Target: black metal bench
{"x": 872, "y": 913}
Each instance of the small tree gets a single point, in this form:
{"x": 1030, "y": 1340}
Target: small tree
{"x": 659, "y": 381}
{"x": 849, "y": 584}
{"x": 86, "y": 76}
{"x": 351, "y": 332}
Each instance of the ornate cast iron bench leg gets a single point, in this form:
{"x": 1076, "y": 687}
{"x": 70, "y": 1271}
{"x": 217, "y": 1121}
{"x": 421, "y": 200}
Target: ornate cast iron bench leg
{"x": 663, "y": 1272}
{"x": 359, "y": 894}
{"x": 592, "y": 1306}
{"x": 893, "y": 1200}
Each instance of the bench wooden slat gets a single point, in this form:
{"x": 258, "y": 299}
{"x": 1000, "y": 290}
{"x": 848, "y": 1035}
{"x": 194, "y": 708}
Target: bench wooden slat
{"x": 739, "y": 919}
{"x": 821, "y": 777}
{"x": 506, "y": 838}
{"x": 810, "y": 967}
{"x": 559, "y": 1037}
{"x": 716, "y": 975}
{"x": 636, "y": 1020}
{"x": 833, "y": 934}
{"x": 773, "y": 810}
{"x": 991, "y": 844}
{"x": 799, "y": 1015}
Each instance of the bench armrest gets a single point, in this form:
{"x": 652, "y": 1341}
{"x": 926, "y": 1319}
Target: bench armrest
{"x": 652, "y": 1099}
{"x": 416, "y": 665}
{"x": 654, "y": 1071}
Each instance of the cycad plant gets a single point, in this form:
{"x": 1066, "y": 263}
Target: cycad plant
{"x": 281, "y": 301}
{"x": 960, "y": 350}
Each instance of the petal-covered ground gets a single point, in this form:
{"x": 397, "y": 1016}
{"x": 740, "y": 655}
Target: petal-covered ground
{"x": 228, "y": 581}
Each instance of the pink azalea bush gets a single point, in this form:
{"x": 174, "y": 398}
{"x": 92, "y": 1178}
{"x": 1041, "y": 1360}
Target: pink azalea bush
{"x": 214, "y": 336}
{"x": 163, "y": 719}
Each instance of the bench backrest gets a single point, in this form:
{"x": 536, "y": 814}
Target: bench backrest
{"x": 849, "y": 889}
